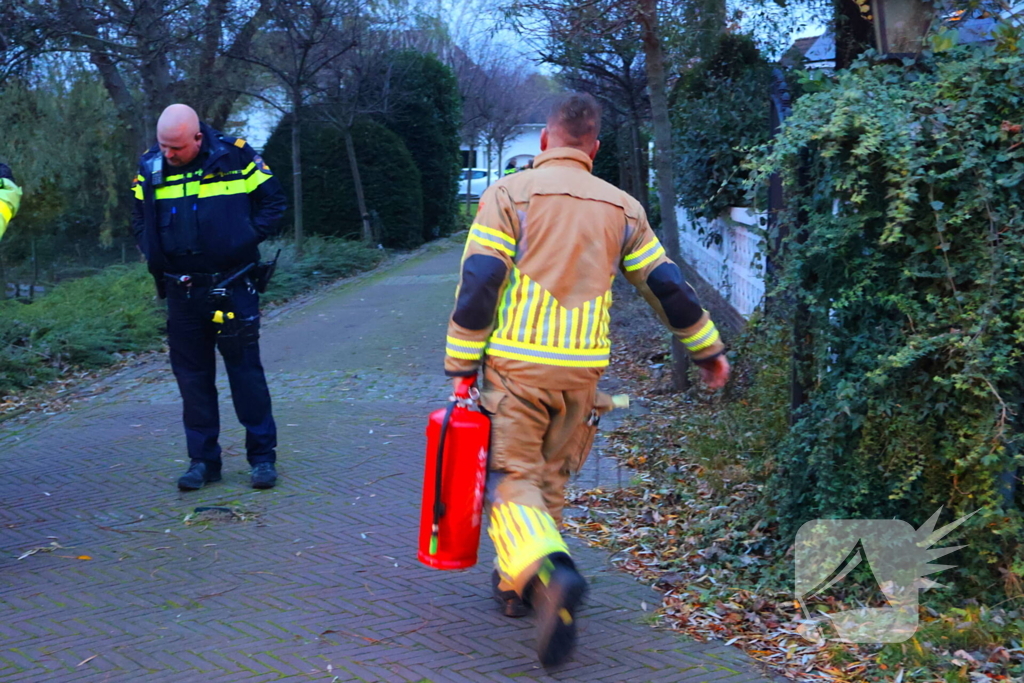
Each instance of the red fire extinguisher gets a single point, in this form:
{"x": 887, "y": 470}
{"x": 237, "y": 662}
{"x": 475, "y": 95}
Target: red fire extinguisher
{"x": 453, "y": 482}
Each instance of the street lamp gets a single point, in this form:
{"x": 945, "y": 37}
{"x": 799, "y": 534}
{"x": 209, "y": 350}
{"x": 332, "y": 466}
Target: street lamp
{"x": 901, "y": 25}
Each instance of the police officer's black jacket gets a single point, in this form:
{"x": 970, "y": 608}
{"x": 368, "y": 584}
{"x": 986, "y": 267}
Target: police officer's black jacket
{"x": 209, "y": 219}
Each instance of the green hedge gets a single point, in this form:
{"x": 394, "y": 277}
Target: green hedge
{"x": 391, "y": 181}
{"x": 427, "y": 115}
{"x": 721, "y": 114}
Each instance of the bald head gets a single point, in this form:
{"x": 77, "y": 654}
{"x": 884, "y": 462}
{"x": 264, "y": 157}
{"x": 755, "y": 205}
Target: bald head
{"x": 177, "y": 132}
{"x": 574, "y": 120}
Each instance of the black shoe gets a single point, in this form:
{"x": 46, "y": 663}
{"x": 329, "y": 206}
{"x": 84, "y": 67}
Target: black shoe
{"x": 264, "y": 476}
{"x": 558, "y": 591}
{"x": 511, "y": 605}
{"x": 199, "y": 473}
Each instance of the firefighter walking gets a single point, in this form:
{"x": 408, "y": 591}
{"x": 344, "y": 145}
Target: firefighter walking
{"x": 532, "y": 309}
{"x": 10, "y": 198}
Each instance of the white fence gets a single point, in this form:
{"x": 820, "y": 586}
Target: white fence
{"x": 734, "y": 262}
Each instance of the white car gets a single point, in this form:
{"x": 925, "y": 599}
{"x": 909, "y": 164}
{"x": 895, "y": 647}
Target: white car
{"x": 477, "y": 182}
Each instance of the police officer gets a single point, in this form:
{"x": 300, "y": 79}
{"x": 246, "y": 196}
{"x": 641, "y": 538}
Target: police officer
{"x": 203, "y": 202}
{"x": 10, "y": 197}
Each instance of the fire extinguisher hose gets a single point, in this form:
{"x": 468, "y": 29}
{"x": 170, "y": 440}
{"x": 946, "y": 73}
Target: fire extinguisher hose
{"x": 438, "y": 505}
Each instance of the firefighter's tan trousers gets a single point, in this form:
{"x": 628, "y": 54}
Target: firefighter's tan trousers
{"x": 539, "y": 438}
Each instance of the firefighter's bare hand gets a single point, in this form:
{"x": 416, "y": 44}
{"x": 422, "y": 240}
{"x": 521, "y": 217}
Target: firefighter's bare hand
{"x": 715, "y": 373}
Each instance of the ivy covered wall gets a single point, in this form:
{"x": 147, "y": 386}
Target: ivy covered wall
{"x": 904, "y": 272}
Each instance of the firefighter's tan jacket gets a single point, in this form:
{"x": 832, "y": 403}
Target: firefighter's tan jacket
{"x": 537, "y": 272}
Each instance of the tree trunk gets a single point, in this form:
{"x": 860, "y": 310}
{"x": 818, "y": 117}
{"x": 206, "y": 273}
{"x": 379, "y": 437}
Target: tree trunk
{"x": 469, "y": 180}
{"x": 153, "y": 68}
{"x": 656, "y": 86}
{"x": 357, "y": 181}
{"x": 35, "y": 272}
{"x": 106, "y": 65}
{"x": 297, "y": 172}
{"x": 489, "y": 142}
{"x": 637, "y": 155}
{"x": 854, "y": 34}
{"x": 624, "y": 157}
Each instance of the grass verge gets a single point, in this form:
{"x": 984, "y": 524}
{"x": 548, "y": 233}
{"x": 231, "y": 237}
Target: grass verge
{"x": 96, "y": 321}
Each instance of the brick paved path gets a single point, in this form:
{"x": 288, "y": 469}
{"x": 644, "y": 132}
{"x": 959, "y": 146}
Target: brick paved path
{"x": 315, "y": 580}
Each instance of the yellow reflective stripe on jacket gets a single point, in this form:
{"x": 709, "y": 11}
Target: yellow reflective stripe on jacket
{"x": 241, "y": 182}
{"x": 495, "y": 239}
{"x": 256, "y": 179}
{"x": 522, "y": 535}
{"x": 533, "y": 326}
{"x": 5, "y": 212}
{"x": 137, "y": 187}
{"x": 528, "y": 313}
{"x": 179, "y": 190}
{"x": 649, "y": 252}
{"x": 705, "y": 337}
{"x": 223, "y": 187}
{"x": 548, "y": 355}
{"x": 180, "y": 177}
{"x": 465, "y": 350}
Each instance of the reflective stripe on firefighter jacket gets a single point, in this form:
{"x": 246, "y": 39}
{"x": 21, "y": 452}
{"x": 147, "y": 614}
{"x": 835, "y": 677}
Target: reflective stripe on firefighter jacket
{"x": 10, "y": 200}
{"x": 535, "y": 290}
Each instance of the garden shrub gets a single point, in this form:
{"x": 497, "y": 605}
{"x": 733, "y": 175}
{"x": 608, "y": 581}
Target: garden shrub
{"x": 722, "y": 112}
{"x": 391, "y": 181}
{"x": 903, "y": 268}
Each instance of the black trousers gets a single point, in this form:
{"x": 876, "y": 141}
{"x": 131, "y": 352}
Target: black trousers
{"x": 193, "y": 337}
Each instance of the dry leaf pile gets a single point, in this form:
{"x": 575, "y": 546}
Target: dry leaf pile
{"x": 57, "y": 395}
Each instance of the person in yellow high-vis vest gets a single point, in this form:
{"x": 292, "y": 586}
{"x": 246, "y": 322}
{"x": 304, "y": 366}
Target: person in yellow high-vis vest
{"x": 532, "y": 309}
{"x": 10, "y": 198}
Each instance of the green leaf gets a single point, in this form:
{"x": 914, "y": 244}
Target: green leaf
{"x": 945, "y": 40}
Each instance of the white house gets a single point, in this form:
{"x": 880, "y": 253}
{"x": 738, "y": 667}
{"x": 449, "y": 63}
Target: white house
{"x": 517, "y": 153}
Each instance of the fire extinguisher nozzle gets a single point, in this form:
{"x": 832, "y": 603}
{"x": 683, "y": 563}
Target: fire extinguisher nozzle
{"x": 433, "y": 544}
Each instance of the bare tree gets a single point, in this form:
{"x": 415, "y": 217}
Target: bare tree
{"x": 149, "y": 53}
{"x": 304, "y": 38}
{"x": 363, "y": 83}
{"x": 513, "y": 94}
{"x": 608, "y": 62}
{"x": 475, "y": 86}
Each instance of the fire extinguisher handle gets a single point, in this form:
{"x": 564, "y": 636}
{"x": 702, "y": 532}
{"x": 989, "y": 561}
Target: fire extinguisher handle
{"x": 462, "y": 391}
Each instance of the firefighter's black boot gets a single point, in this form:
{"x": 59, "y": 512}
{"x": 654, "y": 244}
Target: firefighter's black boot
{"x": 511, "y": 604}
{"x": 199, "y": 473}
{"x": 556, "y": 593}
